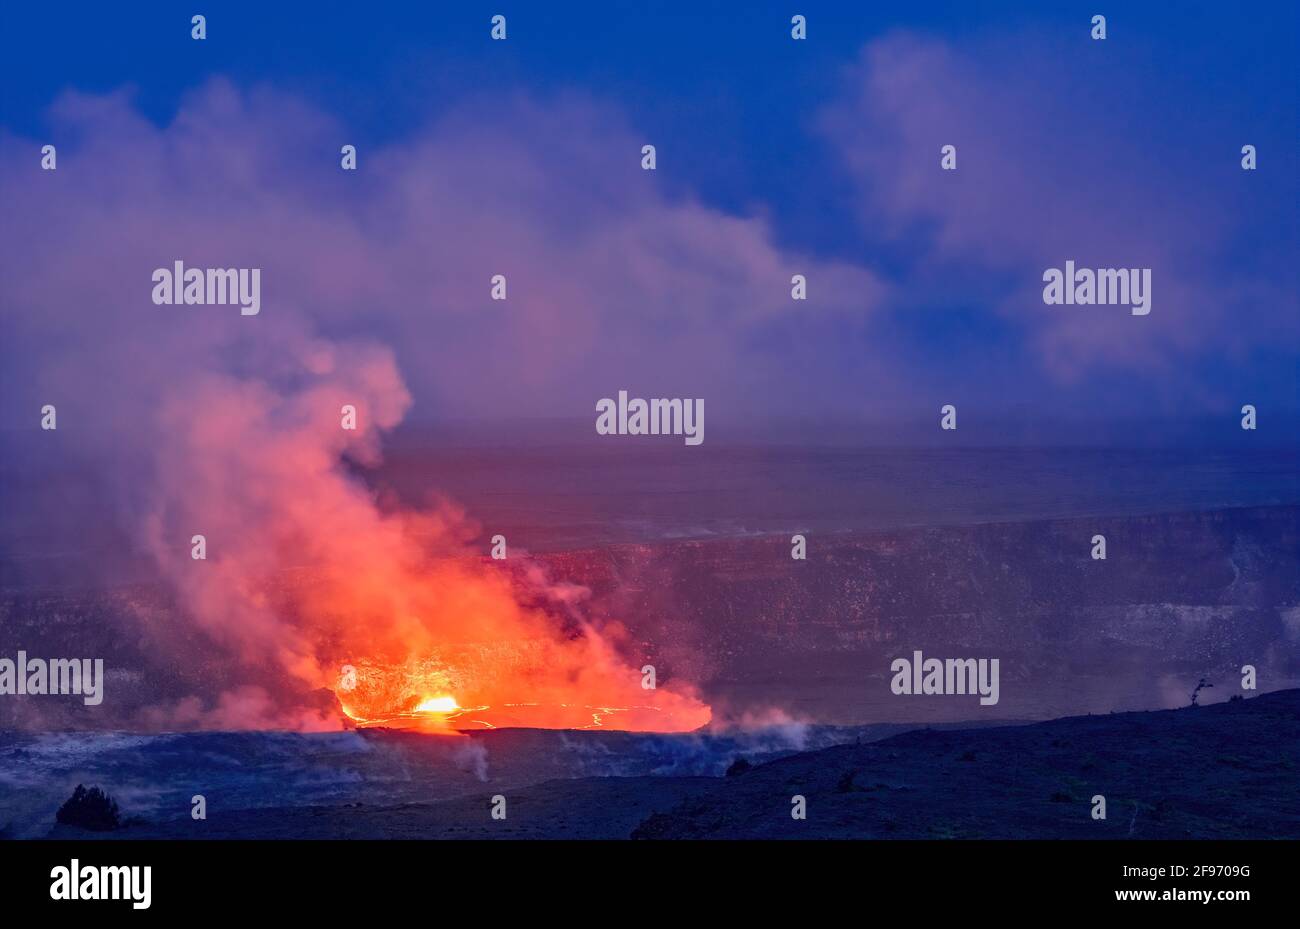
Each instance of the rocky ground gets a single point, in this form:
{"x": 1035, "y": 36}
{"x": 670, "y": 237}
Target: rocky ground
{"x": 1230, "y": 770}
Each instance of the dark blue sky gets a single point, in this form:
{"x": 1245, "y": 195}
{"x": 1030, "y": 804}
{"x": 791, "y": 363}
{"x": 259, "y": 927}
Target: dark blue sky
{"x": 728, "y": 86}
{"x": 805, "y": 135}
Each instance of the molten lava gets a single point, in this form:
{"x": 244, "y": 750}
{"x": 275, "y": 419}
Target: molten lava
{"x": 607, "y": 697}
{"x": 438, "y": 705}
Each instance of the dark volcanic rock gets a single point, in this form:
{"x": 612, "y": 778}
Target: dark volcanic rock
{"x": 1231, "y": 770}
{"x": 1182, "y": 596}
{"x": 737, "y": 767}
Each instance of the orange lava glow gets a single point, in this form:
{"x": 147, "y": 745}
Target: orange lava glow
{"x": 399, "y": 697}
{"x": 438, "y": 705}
{"x": 644, "y": 718}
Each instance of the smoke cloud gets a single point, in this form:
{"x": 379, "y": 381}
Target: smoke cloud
{"x": 196, "y": 420}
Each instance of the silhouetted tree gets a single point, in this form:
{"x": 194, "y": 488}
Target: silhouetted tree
{"x": 90, "y": 809}
{"x": 1196, "y": 693}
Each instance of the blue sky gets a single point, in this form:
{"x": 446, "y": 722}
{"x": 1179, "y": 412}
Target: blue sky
{"x": 803, "y": 138}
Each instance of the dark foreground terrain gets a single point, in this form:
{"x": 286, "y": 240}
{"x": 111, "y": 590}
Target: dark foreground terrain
{"x": 1230, "y": 770}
